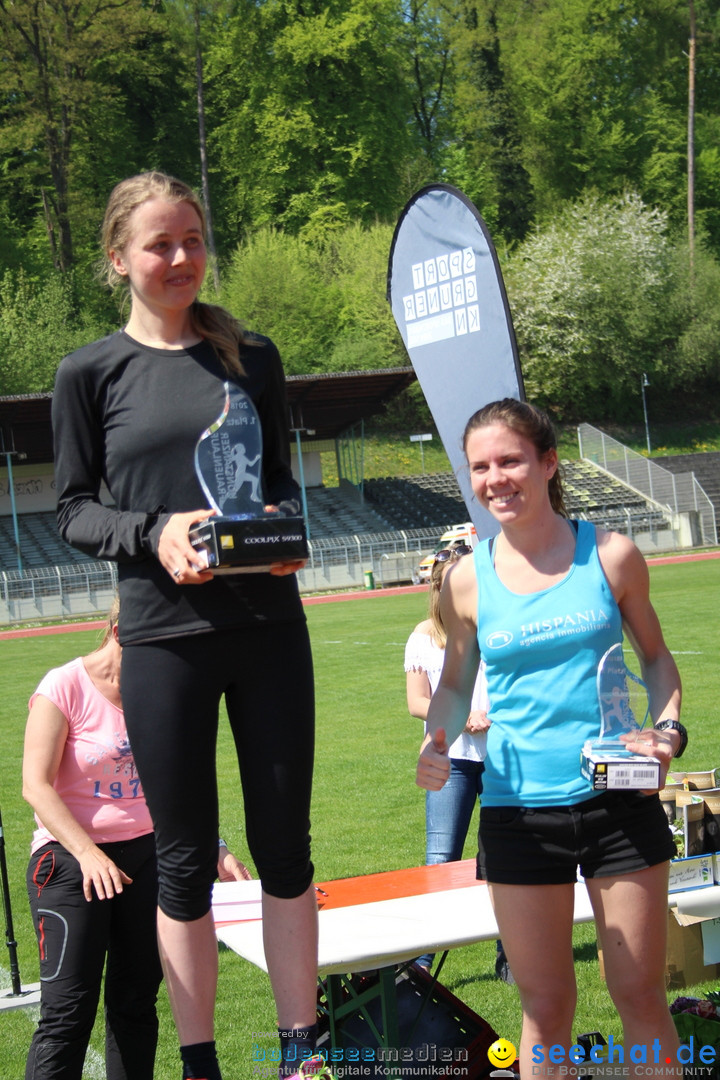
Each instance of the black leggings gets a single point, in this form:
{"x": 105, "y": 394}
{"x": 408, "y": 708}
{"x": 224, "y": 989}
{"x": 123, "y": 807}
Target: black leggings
{"x": 171, "y": 696}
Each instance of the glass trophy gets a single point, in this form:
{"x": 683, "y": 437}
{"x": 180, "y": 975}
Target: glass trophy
{"x": 624, "y": 708}
{"x": 243, "y": 536}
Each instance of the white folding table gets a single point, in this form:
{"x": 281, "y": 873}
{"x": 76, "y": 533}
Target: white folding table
{"x": 379, "y": 921}
{"x": 375, "y": 923}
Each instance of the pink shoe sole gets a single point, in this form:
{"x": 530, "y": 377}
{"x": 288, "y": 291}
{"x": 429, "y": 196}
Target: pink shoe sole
{"x": 314, "y": 1066}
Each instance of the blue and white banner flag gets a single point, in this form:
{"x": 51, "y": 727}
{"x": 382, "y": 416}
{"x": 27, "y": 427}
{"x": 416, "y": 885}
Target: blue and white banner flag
{"x": 449, "y": 302}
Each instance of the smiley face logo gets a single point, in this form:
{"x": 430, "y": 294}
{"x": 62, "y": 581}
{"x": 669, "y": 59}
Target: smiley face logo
{"x": 502, "y": 1053}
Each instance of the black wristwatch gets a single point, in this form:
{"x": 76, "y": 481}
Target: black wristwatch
{"x": 675, "y": 725}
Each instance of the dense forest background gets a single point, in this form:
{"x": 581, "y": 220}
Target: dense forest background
{"x": 587, "y": 132}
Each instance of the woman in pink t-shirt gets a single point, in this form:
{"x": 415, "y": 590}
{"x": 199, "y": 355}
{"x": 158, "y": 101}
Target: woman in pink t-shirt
{"x": 92, "y": 877}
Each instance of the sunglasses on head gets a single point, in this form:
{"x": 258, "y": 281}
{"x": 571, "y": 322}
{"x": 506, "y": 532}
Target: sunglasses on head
{"x": 452, "y": 553}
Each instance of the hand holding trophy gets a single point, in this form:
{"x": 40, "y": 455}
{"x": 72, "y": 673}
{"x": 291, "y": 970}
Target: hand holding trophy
{"x": 624, "y": 707}
{"x": 243, "y": 537}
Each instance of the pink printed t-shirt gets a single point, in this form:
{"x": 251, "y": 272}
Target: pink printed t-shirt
{"x": 97, "y": 779}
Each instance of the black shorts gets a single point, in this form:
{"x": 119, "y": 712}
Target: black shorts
{"x": 612, "y": 833}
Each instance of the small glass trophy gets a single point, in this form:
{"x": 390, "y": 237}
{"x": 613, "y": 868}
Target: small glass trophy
{"x": 243, "y": 537}
{"x": 624, "y": 707}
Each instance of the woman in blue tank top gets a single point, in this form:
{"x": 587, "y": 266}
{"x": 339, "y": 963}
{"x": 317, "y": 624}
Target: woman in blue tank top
{"x": 541, "y": 603}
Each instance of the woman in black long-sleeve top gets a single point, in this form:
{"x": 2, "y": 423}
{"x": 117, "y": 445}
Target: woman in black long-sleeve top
{"x": 127, "y": 413}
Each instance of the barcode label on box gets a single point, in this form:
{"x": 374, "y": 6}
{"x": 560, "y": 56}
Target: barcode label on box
{"x": 620, "y": 772}
{"x": 630, "y": 778}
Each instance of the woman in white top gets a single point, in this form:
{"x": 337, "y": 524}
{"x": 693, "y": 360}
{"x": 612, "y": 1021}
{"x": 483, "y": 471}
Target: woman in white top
{"x": 448, "y": 812}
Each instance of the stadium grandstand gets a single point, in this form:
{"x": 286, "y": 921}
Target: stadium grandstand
{"x": 361, "y": 530}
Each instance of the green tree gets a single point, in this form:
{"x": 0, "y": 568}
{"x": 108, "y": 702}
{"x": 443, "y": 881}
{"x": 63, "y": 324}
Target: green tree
{"x": 89, "y": 93}
{"x": 274, "y": 285}
{"x": 593, "y": 302}
{"x": 430, "y": 72}
{"x": 601, "y": 92}
{"x": 485, "y": 116}
{"x": 192, "y": 27}
{"x": 311, "y": 113}
{"x": 322, "y": 303}
{"x": 365, "y": 336}
{"x": 474, "y": 179}
{"x": 707, "y": 123}
{"x": 697, "y": 362}
{"x": 49, "y": 81}
{"x": 39, "y": 324}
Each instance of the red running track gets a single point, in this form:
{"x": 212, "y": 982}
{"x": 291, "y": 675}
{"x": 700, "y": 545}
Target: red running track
{"x": 333, "y": 598}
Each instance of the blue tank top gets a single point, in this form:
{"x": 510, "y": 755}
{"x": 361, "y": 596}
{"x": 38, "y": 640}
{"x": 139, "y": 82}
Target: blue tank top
{"x": 542, "y": 652}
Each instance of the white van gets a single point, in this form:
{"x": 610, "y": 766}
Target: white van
{"x": 456, "y": 534}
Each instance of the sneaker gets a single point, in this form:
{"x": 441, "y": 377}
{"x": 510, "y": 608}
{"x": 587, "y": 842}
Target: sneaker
{"x": 502, "y": 968}
{"x": 314, "y": 1066}
{"x": 502, "y": 971}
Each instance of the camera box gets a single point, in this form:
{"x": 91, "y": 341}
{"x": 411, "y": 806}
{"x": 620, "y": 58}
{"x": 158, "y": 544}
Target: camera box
{"x": 248, "y": 545}
{"x": 618, "y": 770}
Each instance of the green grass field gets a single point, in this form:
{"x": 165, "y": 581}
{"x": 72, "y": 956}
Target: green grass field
{"x": 367, "y": 813}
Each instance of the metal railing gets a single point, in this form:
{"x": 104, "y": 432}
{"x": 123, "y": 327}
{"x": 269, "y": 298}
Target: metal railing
{"x": 344, "y": 561}
{"x": 87, "y": 589}
{"x": 678, "y": 492}
{"x": 384, "y": 558}
{"x": 57, "y": 591}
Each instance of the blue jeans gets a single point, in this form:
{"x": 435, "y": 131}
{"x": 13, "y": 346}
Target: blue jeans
{"x": 448, "y": 811}
{"x": 447, "y": 817}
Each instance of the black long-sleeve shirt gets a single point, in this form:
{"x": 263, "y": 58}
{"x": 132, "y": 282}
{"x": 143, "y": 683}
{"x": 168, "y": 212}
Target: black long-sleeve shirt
{"x": 131, "y": 416}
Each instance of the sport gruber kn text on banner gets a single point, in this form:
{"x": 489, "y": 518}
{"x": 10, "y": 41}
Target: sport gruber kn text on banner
{"x": 449, "y": 302}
